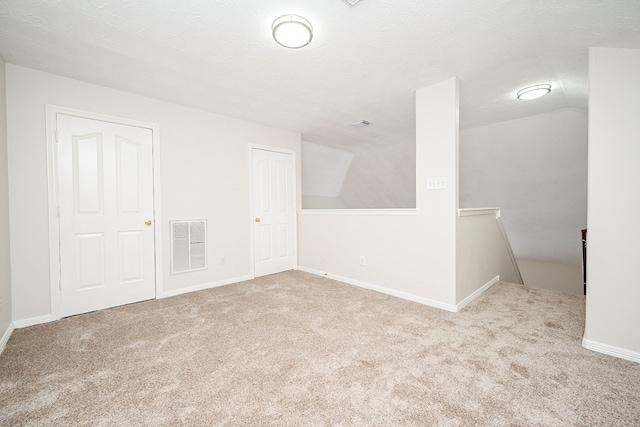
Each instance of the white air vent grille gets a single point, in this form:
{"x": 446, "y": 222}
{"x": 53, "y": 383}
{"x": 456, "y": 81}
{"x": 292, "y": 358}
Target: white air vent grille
{"x": 188, "y": 246}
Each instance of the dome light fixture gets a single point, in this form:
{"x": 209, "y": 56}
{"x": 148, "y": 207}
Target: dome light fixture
{"x": 533, "y": 92}
{"x": 292, "y": 31}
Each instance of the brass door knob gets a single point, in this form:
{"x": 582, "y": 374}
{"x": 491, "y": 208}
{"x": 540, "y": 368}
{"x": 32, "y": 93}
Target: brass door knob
{"x": 147, "y": 222}
{"x": 257, "y": 219}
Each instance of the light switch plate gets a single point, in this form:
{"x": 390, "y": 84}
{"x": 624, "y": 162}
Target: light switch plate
{"x": 437, "y": 183}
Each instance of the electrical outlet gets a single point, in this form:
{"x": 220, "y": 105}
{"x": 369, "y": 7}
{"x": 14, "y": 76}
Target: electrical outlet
{"x": 223, "y": 261}
{"x": 363, "y": 260}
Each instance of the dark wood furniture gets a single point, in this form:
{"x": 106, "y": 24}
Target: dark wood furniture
{"x": 584, "y": 259}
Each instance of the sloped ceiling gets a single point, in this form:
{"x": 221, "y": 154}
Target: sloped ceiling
{"x": 365, "y": 62}
{"x": 323, "y": 170}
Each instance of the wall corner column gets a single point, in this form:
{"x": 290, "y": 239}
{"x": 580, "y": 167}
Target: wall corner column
{"x": 612, "y": 315}
{"x": 437, "y": 133}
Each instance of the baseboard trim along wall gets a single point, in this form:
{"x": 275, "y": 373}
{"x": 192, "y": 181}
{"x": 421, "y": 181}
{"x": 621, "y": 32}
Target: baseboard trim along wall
{"x": 621, "y": 353}
{"x": 203, "y": 286}
{"x": 48, "y": 318}
{"x": 6, "y": 336}
{"x": 462, "y": 304}
{"x": 392, "y": 292}
{"x": 32, "y": 321}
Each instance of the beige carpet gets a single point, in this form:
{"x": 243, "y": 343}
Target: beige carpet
{"x": 295, "y": 349}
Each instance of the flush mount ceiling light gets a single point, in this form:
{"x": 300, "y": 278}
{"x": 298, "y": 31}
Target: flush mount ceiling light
{"x": 533, "y": 92}
{"x": 352, "y": 2}
{"x": 292, "y": 31}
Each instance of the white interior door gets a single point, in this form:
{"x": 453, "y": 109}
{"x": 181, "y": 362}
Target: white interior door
{"x": 273, "y": 212}
{"x": 105, "y": 190}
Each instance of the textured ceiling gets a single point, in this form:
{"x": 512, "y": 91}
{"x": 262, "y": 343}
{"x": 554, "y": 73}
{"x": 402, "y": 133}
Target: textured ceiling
{"x": 365, "y": 62}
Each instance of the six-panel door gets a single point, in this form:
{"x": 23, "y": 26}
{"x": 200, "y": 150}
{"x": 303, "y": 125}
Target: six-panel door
{"x": 274, "y": 212}
{"x": 105, "y": 180}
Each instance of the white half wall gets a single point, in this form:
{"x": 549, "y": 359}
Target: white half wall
{"x": 204, "y": 174}
{"x": 405, "y": 252}
{"x": 613, "y": 286}
{"x": 5, "y": 264}
{"x": 482, "y": 253}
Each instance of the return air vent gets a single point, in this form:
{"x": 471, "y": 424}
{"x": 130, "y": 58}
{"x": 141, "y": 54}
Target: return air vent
{"x": 352, "y": 2}
{"x": 188, "y": 246}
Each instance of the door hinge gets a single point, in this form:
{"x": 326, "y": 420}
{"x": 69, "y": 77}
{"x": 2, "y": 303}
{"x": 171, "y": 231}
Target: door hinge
{"x": 60, "y": 284}
{"x": 56, "y": 135}
{"x": 58, "y": 211}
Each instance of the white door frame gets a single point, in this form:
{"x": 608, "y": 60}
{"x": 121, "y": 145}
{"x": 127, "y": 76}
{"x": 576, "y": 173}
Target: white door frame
{"x": 54, "y": 221}
{"x": 295, "y": 202}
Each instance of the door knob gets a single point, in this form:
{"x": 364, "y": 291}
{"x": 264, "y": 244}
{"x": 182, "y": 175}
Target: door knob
{"x": 257, "y": 219}
{"x": 147, "y": 222}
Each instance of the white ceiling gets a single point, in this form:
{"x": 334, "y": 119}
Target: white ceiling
{"x": 365, "y": 62}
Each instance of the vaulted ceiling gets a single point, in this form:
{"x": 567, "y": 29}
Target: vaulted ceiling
{"x": 365, "y": 62}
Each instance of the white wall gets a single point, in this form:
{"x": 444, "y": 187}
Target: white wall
{"x": 535, "y": 169}
{"x": 323, "y": 170}
{"x": 412, "y": 255}
{"x": 359, "y": 177}
{"x": 381, "y": 177}
{"x": 482, "y": 254}
{"x": 5, "y": 265}
{"x": 554, "y": 276}
{"x": 613, "y": 282}
{"x": 204, "y": 173}
{"x": 323, "y": 202}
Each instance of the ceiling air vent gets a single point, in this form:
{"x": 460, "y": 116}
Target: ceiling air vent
{"x": 361, "y": 123}
{"x": 352, "y": 2}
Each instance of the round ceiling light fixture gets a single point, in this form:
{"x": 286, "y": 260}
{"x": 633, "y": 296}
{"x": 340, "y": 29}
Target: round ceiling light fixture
{"x": 533, "y": 92}
{"x": 292, "y": 31}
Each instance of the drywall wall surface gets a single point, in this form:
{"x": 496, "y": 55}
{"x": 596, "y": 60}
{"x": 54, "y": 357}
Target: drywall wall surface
{"x": 334, "y": 243}
{"x": 323, "y": 171}
{"x": 613, "y": 284}
{"x": 381, "y": 177}
{"x": 437, "y": 138}
{"x": 413, "y": 254}
{"x": 323, "y": 202}
{"x": 204, "y": 175}
{"x": 481, "y": 255}
{"x": 554, "y": 276}
{"x": 5, "y": 264}
{"x": 363, "y": 176}
{"x": 535, "y": 169}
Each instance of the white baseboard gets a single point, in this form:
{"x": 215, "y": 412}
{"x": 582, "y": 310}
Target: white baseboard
{"x": 203, "y": 286}
{"x": 462, "y": 304}
{"x": 33, "y": 321}
{"x": 621, "y": 353}
{"x": 381, "y": 289}
{"x": 48, "y": 318}
{"x": 5, "y": 337}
